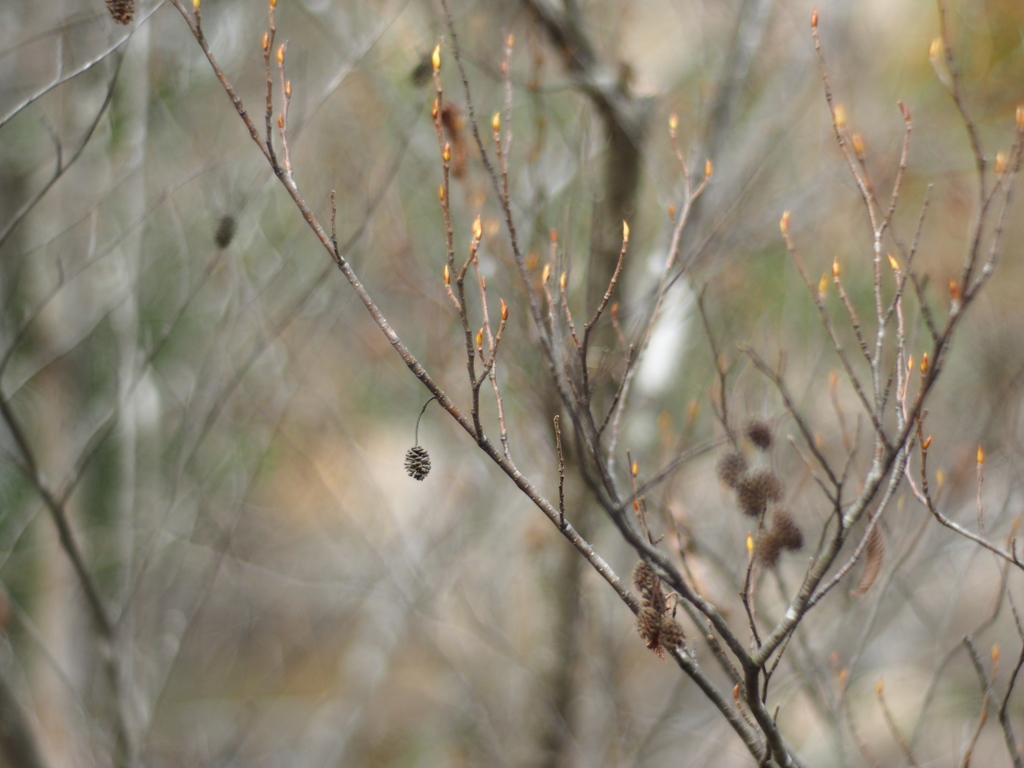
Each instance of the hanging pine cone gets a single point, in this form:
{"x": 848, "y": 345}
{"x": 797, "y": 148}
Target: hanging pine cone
{"x": 417, "y": 462}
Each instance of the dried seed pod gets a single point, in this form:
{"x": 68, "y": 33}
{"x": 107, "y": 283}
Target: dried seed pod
{"x": 648, "y": 625}
{"x": 731, "y": 469}
{"x": 121, "y": 11}
{"x": 645, "y": 580}
{"x": 759, "y": 432}
{"x": 768, "y": 548}
{"x": 784, "y": 527}
{"x": 756, "y": 490}
{"x": 671, "y": 633}
{"x": 226, "y": 229}
{"x": 417, "y": 462}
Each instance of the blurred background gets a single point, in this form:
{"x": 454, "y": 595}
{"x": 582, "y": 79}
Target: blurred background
{"x": 192, "y": 386}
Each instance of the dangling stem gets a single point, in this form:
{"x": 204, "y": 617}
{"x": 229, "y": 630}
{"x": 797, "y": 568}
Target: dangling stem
{"x": 422, "y": 411}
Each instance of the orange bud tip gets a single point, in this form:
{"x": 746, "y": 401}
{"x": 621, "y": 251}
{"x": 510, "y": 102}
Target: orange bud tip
{"x": 750, "y": 543}
{"x": 273, "y": 3}
{"x": 280, "y": 122}
{"x": 615, "y": 311}
{"x": 981, "y": 455}
{"x": 480, "y": 339}
{"x": 736, "y": 692}
{"x": 447, "y": 275}
{"x": 561, "y": 281}
{"x": 440, "y": 193}
{"x": 924, "y": 363}
{"x": 625, "y": 231}
{"x": 904, "y": 110}
{"x": 266, "y": 41}
{"x": 823, "y": 286}
{"x": 843, "y": 674}
{"x": 434, "y": 110}
{"x": 496, "y": 122}
{"x": 814, "y": 19}
{"x": 835, "y": 267}
{"x": 288, "y": 88}
{"x": 635, "y": 469}
{"x": 1020, "y": 118}
{"x": 478, "y": 230}
{"x": 553, "y": 235}
{"x": 1001, "y": 163}
{"x": 504, "y": 310}
{"x": 926, "y": 445}
{"x": 510, "y": 41}
{"x": 954, "y": 289}
{"x": 839, "y": 115}
{"x": 784, "y": 223}
{"x": 893, "y": 263}
{"x": 858, "y": 145}
{"x": 446, "y": 154}
{"x": 672, "y": 211}
{"x": 636, "y": 505}
{"x": 709, "y": 168}
{"x": 878, "y": 687}
{"x": 910, "y": 363}
{"x": 673, "y": 124}
{"x": 995, "y": 654}
{"x": 435, "y": 58}
{"x": 545, "y": 273}
{"x": 940, "y": 476}
{"x": 280, "y": 54}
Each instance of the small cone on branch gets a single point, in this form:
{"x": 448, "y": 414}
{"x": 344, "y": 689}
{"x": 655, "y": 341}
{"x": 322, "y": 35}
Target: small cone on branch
{"x": 417, "y": 462}
{"x": 121, "y": 11}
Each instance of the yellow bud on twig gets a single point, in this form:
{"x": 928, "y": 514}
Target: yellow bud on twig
{"x": 435, "y": 58}
{"x": 823, "y": 286}
{"x": 273, "y": 3}
{"x": 814, "y": 19}
{"x": 935, "y": 49}
{"x": 893, "y": 263}
{"x": 288, "y": 88}
{"x": 981, "y": 455}
{"x": 480, "y": 339}
{"x": 266, "y": 42}
{"x": 280, "y": 54}
{"x": 195, "y": 5}
{"x": 750, "y": 543}
{"x": 995, "y": 654}
{"x": 1000, "y": 163}
{"x": 1020, "y": 118}
{"x": 635, "y": 469}
{"x": 926, "y": 445}
{"x": 708, "y": 168}
{"x": 924, "y": 363}
{"x": 673, "y": 124}
{"x": 478, "y": 230}
{"x": 447, "y": 275}
{"x": 510, "y": 41}
{"x": 496, "y": 122}
{"x": 545, "y": 273}
{"x": 625, "y": 231}
{"x": 858, "y": 145}
{"x": 504, "y": 310}
{"x": 440, "y": 192}
{"x": 839, "y": 115}
{"x": 446, "y": 154}
{"x": 561, "y": 281}
{"x": 784, "y": 223}
{"x": 835, "y": 267}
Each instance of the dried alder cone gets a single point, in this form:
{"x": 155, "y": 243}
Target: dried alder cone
{"x": 121, "y": 11}
{"x": 417, "y": 462}
{"x": 654, "y": 623}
